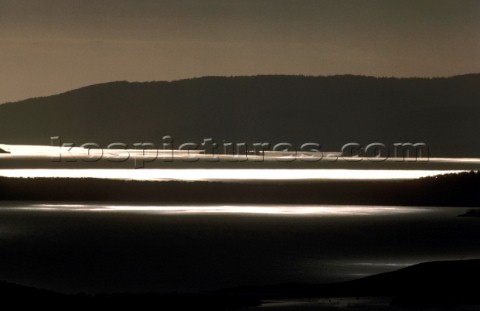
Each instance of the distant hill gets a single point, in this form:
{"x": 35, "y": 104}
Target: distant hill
{"x": 332, "y": 111}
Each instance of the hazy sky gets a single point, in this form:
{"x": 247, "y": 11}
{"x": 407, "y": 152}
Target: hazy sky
{"x": 51, "y": 46}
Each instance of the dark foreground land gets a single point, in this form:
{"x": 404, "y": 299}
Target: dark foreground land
{"x": 433, "y": 285}
{"x": 445, "y": 190}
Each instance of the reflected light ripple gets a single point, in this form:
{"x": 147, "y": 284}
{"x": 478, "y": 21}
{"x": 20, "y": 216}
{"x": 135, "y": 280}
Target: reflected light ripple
{"x": 223, "y": 174}
{"x": 310, "y": 210}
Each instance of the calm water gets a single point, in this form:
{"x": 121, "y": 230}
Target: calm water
{"x": 95, "y": 247}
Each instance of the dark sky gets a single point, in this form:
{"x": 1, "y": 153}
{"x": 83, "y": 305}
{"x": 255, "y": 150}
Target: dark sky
{"x": 51, "y": 46}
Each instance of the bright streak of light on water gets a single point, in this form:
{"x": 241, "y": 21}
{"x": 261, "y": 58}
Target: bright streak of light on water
{"x": 312, "y": 210}
{"x": 221, "y": 174}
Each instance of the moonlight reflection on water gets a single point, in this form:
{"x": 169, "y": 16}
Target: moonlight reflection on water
{"x": 230, "y": 209}
{"x": 222, "y": 174}
{"x": 198, "y": 247}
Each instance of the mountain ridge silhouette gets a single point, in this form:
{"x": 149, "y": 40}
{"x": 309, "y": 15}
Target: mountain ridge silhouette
{"x": 329, "y": 110}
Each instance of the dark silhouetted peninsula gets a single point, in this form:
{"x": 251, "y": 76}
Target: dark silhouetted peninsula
{"x": 444, "y": 190}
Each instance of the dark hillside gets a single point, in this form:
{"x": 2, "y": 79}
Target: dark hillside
{"x": 332, "y": 111}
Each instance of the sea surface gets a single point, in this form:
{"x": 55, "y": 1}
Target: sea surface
{"x": 89, "y": 247}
